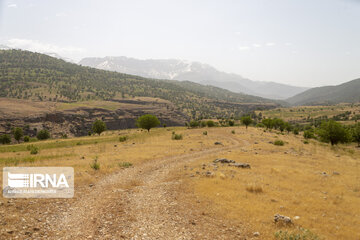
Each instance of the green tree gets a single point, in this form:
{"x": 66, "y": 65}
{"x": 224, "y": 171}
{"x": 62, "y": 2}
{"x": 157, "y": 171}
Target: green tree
{"x": 288, "y": 127}
{"x": 268, "y": 122}
{"x": 147, "y": 122}
{"x": 43, "y": 134}
{"x": 246, "y": 121}
{"x": 5, "y": 139}
{"x": 333, "y": 132}
{"x": 98, "y": 127}
{"x": 356, "y": 133}
{"x": 18, "y": 134}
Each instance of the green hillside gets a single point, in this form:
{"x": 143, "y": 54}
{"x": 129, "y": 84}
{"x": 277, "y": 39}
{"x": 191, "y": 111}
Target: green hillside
{"x": 348, "y": 92}
{"x": 28, "y": 75}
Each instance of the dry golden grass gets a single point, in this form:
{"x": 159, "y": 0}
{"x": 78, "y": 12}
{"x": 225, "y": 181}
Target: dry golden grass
{"x": 288, "y": 180}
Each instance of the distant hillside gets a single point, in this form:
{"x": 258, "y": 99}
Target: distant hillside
{"x": 28, "y": 75}
{"x": 348, "y": 92}
{"x": 192, "y": 71}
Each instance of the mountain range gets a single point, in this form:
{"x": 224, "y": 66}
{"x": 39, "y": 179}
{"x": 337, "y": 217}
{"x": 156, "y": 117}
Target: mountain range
{"x": 205, "y": 74}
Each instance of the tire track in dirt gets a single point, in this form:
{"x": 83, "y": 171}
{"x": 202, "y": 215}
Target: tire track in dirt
{"x": 136, "y": 203}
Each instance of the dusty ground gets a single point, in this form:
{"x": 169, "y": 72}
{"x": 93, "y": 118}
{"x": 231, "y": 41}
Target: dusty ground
{"x": 167, "y": 195}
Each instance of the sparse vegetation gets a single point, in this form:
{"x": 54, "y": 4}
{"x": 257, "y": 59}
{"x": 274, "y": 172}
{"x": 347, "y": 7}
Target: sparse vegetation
{"x": 233, "y": 131}
{"x": 125, "y": 164}
{"x": 205, "y": 133}
{"x": 123, "y": 138}
{"x": 279, "y": 143}
{"x": 176, "y": 136}
{"x": 297, "y": 234}
{"x": 95, "y": 164}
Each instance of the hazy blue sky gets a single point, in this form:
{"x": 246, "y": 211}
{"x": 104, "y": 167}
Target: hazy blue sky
{"x": 298, "y": 42}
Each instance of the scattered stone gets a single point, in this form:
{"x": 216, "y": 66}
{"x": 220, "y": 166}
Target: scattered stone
{"x": 91, "y": 185}
{"x": 240, "y": 165}
{"x": 336, "y": 173}
{"x": 36, "y": 229}
{"x": 82, "y": 157}
{"x": 115, "y": 145}
{"x": 296, "y": 217}
{"x": 337, "y": 155}
{"x": 218, "y": 143}
{"x": 256, "y": 234}
{"x": 223, "y": 160}
{"x": 256, "y": 143}
{"x": 209, "y": 174}
{"x": 10, "y": 231}
{"x": 282, "y": 219}
{"x": 273, "y": 200}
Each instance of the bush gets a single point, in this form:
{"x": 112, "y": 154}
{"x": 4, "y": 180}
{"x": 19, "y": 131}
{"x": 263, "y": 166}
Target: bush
{"x": 306, "y": 142}
{"x": 299, "y": 234}
{"x": 123, "y": 138}
{"x": 202, "y": 124}
{"x": 233, "y": 131}
{"x": 5, "y": 139}
{"x": 296, "y": 131}
{"x": 205, "y": 133}
{"x": 210, "y": 123}
{"x": 33, "y": 149}
{"x": 177, "y": 136}
{"x": 98, "y": 127}
{"x": 26, "y": 138}
{"x": 260, "y": 125}
{"x": 43, "y": 134}
{"x": 33, "y": 139}
{"x": 194, "y": 124}
{"x": 125, "y": 164}
{"x": 95, "y": 165}
{"x": 147, "y": 122}
{"x": 279, "y": 143}
{"x": 231, "y": 123}
{"x": 309, "y": 134}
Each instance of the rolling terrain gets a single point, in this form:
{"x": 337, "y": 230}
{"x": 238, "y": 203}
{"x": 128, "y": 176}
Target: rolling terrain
{"x": 152, "y": 187}
{"x": 348, "y": 92}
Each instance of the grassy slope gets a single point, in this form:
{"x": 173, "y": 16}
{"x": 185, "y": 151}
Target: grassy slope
{"x": 289, "y": 176}
{"x": 344, "y": 93}
{"x": 36, "y": 76}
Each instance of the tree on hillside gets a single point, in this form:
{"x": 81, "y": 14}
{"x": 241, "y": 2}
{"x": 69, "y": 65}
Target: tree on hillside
{"x": 18, "y": 134}
{"x": 246, "y": 121}
{"x": 268, "y": 122}
{"x": 288, "y": 127}
{"x": 210, "y": 123}
{"x": 98, "y": 127}
{"x": 356, "y": 133}
{"x": 147, "y": 122}
{"x": 333, "y": 132}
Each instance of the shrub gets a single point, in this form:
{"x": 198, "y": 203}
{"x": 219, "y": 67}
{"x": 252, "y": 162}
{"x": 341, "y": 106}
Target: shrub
{"x": 95, "y": 165}
{"x": 43, "y": 134}
{"x": 194, "y": 124}
{"x": 5, "y": 139}
{"x": 210, "y": 123}
{"x": 98, "y": 127}
{"x": 306, "y": 142}
{"x": 33, "y": 139}
{"x": 147, "y": 122}
{"x": 33, "y": 149}
{"x": 233, "y": 131}
{"x": 125, "y": 164}
{"x": 26, "y": 138}
{"x": 299, "y": 234}
{"x": 203, "y": 124}
{"x": 296, "y": 131}
{"x": 260, "y": 125}
{"x": 309, "y": 134}
{"x": 205, "y": 133}
{"x": 231, "y": 123}
{"x": 164, "y": 125}
{"x": 254, "y": 189}
{"x": 279, "y": 143}
{"x": 176, "y": 136}
{"x": 123, "y": 138}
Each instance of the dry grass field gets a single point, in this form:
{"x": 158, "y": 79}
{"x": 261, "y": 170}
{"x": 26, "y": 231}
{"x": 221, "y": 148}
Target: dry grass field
{"x": 172, "y": 189}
